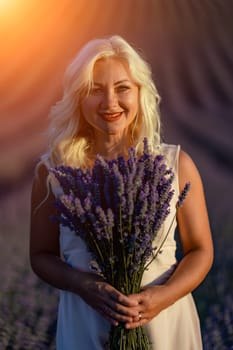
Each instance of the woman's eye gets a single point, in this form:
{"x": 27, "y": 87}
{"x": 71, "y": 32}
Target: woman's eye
{"x": 96, "y": 90}
{"x": 123, "y": 88}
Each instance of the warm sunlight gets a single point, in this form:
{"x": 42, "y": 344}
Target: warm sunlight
{"x": 4, "y": 3}
{"x": 9, "y": 5}
{"x": 11, "y": 10}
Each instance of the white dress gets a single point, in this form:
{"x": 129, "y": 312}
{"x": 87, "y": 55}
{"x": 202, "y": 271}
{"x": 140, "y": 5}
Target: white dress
{"x": 79, "y": 327}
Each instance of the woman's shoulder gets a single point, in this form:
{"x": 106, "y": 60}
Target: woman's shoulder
{"x": 171, "y": 153}
{"x": 178, "y": 152}
{"x": 180, "y": 161}
{"x": 44, "y": 177}
{"x": 188, "y": 170}
{"x": 44, "y": 161}
{"x": 167, "y": 148}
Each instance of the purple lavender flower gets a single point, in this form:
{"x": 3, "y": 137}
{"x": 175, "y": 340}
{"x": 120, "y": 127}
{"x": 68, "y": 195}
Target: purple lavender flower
{"x": 118, "y": 209}
{"x": 183, "y": 194}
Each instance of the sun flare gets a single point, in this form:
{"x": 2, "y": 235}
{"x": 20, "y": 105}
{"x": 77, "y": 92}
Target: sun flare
{"x": 8, "y": 4}
{"x": 10, "y": 10}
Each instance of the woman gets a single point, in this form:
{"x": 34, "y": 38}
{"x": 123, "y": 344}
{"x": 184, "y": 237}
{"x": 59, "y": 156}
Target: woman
{"x": 109, "y": 104}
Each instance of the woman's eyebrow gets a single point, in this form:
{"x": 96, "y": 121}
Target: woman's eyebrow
{"x": 122, "y": 81}
{"x": 116, "y": 83}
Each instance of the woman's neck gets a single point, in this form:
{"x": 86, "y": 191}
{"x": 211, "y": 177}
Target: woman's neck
{"x": 110, "y": 147}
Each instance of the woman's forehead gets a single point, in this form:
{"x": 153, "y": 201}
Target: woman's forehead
{"x": 111, "y": 68}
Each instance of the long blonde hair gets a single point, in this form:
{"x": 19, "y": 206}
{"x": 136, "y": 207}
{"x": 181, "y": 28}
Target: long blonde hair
{"x": 69, "y": 134}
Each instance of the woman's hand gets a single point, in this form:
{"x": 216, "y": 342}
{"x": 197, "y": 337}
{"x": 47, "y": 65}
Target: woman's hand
{"x": 151, "y": 301}
{"x": 109, "y": 302}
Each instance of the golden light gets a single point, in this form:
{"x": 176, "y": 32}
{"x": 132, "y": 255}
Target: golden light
{"x": 7, "y": 6}
{"x": 4, "y": 3}
{"x": 38, "y": 39}
{"x": 11, "y": 12}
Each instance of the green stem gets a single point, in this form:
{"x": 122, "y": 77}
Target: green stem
{"x": 123, "y": 255}
{"x": 161, "y": 244}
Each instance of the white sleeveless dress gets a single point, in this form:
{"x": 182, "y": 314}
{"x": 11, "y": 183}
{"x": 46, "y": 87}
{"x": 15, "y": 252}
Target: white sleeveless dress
{"x": 79, "y": 327}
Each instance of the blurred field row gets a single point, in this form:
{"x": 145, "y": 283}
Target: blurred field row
{"x": 28, "y": 306}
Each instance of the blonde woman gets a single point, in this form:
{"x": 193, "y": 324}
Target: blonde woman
{"x": 109, "y": 104}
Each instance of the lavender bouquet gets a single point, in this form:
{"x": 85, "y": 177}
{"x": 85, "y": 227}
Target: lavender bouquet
{"x": 118, "y": 208}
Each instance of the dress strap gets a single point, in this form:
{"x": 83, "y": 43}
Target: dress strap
{"x": 171, "y": 153}
{"x": 52, "y": 181}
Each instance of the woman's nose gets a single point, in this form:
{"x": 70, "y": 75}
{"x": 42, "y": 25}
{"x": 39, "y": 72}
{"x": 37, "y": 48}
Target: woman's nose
{"x": 109, "y": 100}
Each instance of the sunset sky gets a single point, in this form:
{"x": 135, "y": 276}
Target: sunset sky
{"x": 188, "y": 44}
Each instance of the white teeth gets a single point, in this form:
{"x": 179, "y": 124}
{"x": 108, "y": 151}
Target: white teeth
{"x": 111, "y": 115}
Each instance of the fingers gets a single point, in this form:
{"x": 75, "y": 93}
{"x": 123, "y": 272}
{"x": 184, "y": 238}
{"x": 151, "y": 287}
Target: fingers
{"x": 108, "y": 315}
{"x": 137, "y": 322}
{"x": 129, "y": 301}
{"x": 113, "y": 316}
{"x": 109, "y": 302}
{"x": 131, "y": 325}
{"x": 130, "y": 322}
{"x": 117, "y": 307}
{"x": 123, "y": 307}
{"x": 122, "y": 310}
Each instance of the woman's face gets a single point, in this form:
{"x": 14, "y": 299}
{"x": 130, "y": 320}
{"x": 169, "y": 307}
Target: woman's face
{"x": 112, "y": 103}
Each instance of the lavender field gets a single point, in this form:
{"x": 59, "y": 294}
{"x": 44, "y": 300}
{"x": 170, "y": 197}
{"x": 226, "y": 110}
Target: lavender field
{"x": 28, "y": 306}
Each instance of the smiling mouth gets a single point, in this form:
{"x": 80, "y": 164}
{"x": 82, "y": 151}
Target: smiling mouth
{"x": 111, "y": 117}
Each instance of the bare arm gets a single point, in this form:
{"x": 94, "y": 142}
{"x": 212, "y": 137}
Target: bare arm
{"x": 44, "y": 237}
{"x": 197, "y": 247}
{"x": 47, "y": 264}
{"x": 195, "y": 234}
